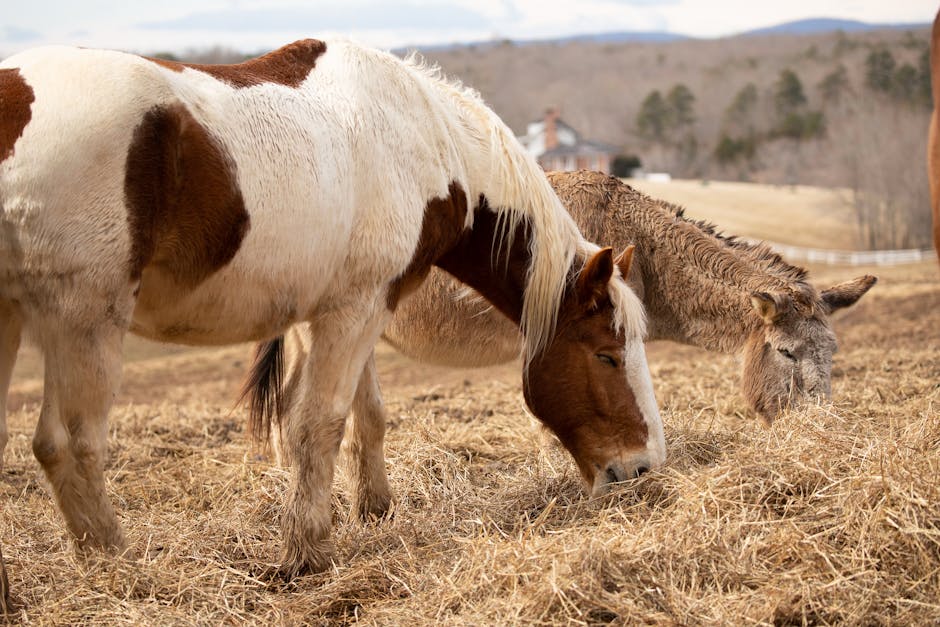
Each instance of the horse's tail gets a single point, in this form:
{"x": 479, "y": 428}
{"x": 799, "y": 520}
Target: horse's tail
{"x": 264, "y": 389}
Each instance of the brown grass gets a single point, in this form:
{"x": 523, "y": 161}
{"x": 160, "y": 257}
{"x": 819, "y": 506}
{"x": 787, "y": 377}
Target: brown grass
{"x": 815, "y": 217}
{"x": 830, "y": 516}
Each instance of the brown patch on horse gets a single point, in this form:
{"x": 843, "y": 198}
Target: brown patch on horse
{"x": 441, "y": 227}
{"x": 186, "y": 213}
{"x": 16, "y": 97}
{"x": 288, "y": 66}
{"x": 499, "y": 274}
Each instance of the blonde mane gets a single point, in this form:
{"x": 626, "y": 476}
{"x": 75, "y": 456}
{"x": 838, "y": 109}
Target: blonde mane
{"x": 518, "y": 191}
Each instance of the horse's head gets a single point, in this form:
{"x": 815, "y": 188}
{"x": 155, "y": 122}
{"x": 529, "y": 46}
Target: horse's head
{"x": 591, "y": 385}
{"x": 788, "y": 358}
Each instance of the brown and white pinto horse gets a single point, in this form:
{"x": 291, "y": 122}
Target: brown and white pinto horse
{"x": 317, "y": 184}
{"x": 933, "y": 139}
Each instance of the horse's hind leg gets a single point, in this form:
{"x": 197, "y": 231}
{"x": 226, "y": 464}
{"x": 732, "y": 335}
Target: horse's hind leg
{"x": 82, "y": 372}
{"x": 10, "y": 329}
{"x": 373, "y": 495}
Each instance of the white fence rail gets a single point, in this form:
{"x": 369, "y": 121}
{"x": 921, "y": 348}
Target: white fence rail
{"x": 853, "y": 257}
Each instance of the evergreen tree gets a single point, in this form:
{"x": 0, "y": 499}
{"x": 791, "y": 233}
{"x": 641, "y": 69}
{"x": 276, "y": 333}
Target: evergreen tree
{"x": 879, "y": 70}
{"x": 680, "y": 101}
{"x": 743, "y": 105}
{"x": 905, "y": 83}
{"x": 653, "y": 119}
{"x": 788, "y": 93}
{"x": 834, "y": 85}
{"x": 793, "y": 120}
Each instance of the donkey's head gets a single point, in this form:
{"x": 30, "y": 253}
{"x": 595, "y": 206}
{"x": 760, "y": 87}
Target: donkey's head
{"x": 788, "y": 357}
{"x": 591, "y": 385}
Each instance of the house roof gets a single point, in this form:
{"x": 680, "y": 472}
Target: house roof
{"x": 569, "y": 140}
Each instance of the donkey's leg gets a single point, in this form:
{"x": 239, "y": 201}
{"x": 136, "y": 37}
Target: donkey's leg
{"x": 82, "y": 372}
{"x": 342, "y": 342}
{"x": 11, "y": 325}
{"x": 373, "y": 494}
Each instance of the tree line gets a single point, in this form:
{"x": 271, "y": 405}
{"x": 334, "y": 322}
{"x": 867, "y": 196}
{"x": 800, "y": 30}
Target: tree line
{"x": 668, "y": 120}
{"x": 861, "y": 124}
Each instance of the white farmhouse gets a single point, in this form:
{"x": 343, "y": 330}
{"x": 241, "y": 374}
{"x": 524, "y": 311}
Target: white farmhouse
{"x": 558, "y": 146}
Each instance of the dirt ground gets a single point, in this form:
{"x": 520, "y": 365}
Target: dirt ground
{"x": 831, "y": 515}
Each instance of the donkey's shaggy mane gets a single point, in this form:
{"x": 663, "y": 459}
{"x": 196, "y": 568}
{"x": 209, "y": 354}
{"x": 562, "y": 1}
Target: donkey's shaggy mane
{"x": 758, "y": 251}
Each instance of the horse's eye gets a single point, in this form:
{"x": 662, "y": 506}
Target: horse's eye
{"x": 786, "y": 354}
{"x": 607, "y": 359}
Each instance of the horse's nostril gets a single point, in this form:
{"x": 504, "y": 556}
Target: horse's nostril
{"x": 612, "y": 475}
{"x": 616, "y": 473}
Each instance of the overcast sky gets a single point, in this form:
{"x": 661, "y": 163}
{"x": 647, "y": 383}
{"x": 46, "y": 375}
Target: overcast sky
{"x": 252, "y": 25}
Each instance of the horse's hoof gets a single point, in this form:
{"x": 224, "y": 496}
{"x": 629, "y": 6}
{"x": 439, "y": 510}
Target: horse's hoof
{"x": 375, "y": 507}
{"x": 111, "y": 542}
{"x": 287, "y": 572}
{"x": 313, "y": 560}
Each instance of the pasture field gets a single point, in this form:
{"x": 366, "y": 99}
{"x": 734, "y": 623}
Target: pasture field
{"x": 814, "y": 217}
{"x": 830, "y": 515}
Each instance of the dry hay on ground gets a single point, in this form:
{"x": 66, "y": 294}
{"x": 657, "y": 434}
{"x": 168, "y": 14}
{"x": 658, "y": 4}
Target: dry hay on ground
{"x": 830, "y": 516}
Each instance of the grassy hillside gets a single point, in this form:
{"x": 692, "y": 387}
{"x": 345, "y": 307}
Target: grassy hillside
{"x": 599, "y": 87}
{"x": 828, "y": 125}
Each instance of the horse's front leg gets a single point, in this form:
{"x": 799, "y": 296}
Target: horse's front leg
{"x": 341, "y": 343}
{"x": 82, "y": 373}
{"x": 364, "y": 437}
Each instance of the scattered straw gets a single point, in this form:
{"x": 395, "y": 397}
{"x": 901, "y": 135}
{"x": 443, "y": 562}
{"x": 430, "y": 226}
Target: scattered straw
{"x": 832, "y": 515}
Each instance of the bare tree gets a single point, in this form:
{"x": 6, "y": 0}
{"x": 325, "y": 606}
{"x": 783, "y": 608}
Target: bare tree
{"x": 880, "y": 148}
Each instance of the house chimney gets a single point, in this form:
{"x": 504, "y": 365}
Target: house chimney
{"x": 551, "y": 128}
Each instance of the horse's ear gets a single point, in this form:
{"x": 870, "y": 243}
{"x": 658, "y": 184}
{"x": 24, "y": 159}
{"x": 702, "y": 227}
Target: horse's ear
{"x": 848, "y": 293}
{"x": 592, "y": 283}
{"x": 769, "y": 306}
{"x": 624, "y": 260}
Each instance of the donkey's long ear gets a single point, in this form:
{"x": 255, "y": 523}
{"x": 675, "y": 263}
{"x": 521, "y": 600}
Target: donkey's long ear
{"x": 624, "y": 260}
{"x": 592, "y": 283}
{"x": 769, "y": 306}
{"x": 848, "y": 293}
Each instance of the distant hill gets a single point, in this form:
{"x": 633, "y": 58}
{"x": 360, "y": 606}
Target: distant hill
{"x": 809, "y": 26}
{"x": 817, "y": 25}
{"x": 616, "y": 37}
